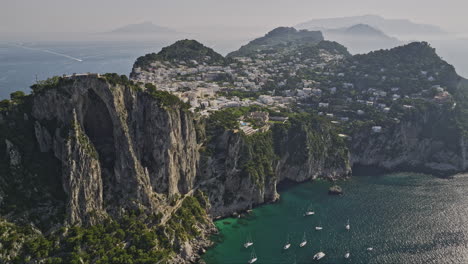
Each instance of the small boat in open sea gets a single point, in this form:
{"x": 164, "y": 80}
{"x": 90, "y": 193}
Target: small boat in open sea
{"x": 348, "y": 226}
{"x": 309, "y": 211}
{"x": 347, "y": 255}
{"x": 319, "y": 227}
{"x": 248, "y": 242}
{"x": 287, "y": 245}
{"x": 319, "y": 255}
{"x": 304, "y": 241}
{"x": 253, "y": 257}
{"x": 369, "y": 249}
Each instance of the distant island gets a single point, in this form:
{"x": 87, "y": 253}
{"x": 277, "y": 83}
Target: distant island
{"x": 397, "y": 27}
{"x": 362, "y": 38}
{"x": 142, "y": 28}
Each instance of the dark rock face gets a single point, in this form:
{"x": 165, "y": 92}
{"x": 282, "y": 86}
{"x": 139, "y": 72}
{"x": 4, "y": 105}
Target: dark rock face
{"x": 120, "y": 148}
{"x": 412, "y": 145}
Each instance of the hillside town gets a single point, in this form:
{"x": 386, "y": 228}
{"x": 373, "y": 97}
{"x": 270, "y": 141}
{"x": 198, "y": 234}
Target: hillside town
{"x": 324, "y": 81}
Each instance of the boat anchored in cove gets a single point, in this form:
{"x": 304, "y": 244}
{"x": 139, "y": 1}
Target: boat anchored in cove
{"x": 304, "y": 241}
{"x": 287, "y": 245}
{"x": 309, "y": 211}
{"x": 248, "y": 242}
{"x": 253, "y": 257}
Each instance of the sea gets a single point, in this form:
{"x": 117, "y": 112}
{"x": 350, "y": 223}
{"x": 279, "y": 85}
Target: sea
{"x": 403, "y": 217}
{"x": 21, "y": 64}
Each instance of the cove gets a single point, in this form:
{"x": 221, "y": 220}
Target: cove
{"x": 404, "y": 217}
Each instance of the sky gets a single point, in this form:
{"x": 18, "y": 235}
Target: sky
{"x": 26, "y": 16}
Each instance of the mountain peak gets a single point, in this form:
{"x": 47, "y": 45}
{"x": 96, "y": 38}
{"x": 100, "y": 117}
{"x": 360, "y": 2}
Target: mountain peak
{"x": 143, "y": 27}
{"x": 279, "y": 38}
{"x": 182, "y": 50}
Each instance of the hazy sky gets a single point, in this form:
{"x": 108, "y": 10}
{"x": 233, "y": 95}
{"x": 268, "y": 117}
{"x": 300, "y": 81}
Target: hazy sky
{"x": 103, "y": 15}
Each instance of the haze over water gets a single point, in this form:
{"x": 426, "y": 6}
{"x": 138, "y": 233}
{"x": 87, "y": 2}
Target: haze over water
{"x": 405, "y": 217}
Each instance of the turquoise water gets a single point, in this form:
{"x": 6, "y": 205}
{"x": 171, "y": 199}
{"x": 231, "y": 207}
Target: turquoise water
{"x": 406, "y": 218}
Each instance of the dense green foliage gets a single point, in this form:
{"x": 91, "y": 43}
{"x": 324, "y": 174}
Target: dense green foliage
{"x": 182, "y": 50}
{"x": 134, "y": 238}
{"x": 50, "y": 83}
{"x": 308, "y": 137}
{"x": 408, "y": 67}
{"x": 276, "y": 40}
{"x": 36, "y": 184}
{"x": 257, "y": 158}
{"x": 164, "y": 98}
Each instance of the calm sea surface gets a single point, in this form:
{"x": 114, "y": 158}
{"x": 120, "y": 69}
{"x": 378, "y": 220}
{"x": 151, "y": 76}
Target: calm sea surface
{"x": 405, "y": 218}
{"x": 19, "y": 64}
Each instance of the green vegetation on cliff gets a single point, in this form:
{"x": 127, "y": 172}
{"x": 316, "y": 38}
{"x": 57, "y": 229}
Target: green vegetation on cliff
{"x": 183, "y": 50}
{"x": 30, "y": 181}
{"x": 258, "y": 157}
{"x": 135, "y": 238}
{"x": 278, "y": 39}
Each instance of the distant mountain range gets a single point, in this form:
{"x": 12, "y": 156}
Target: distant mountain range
{"x": 361, "y": 38}
{"x": 396, "y": 27}
{"x": 142, "y": 28}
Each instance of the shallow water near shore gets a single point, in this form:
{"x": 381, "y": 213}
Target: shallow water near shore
{"x": 404, "y": 217}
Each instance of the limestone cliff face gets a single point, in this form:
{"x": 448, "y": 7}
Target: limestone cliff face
{"x": 119, "y": 148}
{"x": 298, "y": 152}
{"x": 424, "y": 143}
{"x": 308, "y": 150}
{"x": 223, "y": 178}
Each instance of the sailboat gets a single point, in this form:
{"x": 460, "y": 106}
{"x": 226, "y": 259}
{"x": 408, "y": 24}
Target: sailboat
{"x": 319, "y": 255}
{"x": 319, "y": 227}
{"x": 287, "y": 245}
{"x": 309, "y": 211}
{"x": 348, "y": 226}
{"x": 304, "y": 241}
{"x": 248, "y": 242}
{"x": 253, "y": 257}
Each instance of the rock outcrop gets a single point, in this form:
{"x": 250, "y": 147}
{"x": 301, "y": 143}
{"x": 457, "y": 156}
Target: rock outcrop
{"x": 423, "y": 142}
{"x": 118, "y": 147}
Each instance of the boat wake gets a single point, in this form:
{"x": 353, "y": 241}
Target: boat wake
{"x": 49, "y": 51}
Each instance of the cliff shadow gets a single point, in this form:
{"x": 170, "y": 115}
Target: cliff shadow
{"x": 99, "y": 128}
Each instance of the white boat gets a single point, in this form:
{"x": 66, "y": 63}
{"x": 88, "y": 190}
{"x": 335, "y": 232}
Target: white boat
{"x": 287, "y": 245}
{"x": 309, "y": 211}
{"x": 248, "y": 242}
{"x": 346, "y": 256}
{"x": 319, "y": 227}
{"x": 348, "y": 226}
{"x": 304, "y": 241}
{"x": 319, "y": 255}
{"x": 369, "y": 249}
{"x": 253, "y": 257}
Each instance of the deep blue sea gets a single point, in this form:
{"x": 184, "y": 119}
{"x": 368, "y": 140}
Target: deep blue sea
{"x": 404, "y": 217}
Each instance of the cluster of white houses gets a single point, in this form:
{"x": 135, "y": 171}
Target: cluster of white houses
{"x": 202, "y": 85}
